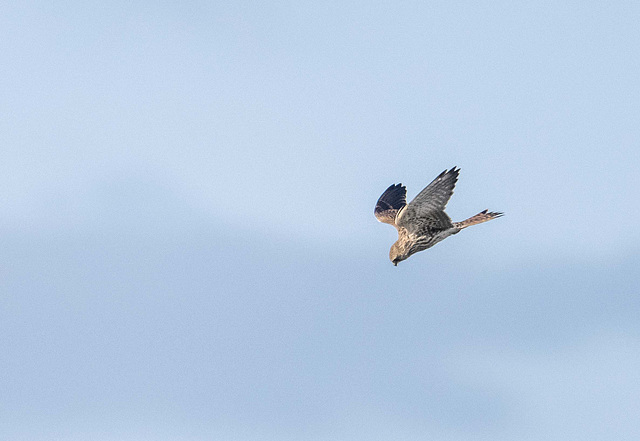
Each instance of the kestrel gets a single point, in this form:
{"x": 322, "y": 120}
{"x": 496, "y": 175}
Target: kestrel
{"x": 422, "y": 223}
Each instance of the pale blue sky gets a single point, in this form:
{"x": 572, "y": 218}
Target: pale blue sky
{"x": 188, "y": 237}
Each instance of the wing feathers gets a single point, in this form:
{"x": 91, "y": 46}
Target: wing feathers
{"x": 391, "y": 201}
{"x": 430, "y": 201}
{"x": 437, "y": 194}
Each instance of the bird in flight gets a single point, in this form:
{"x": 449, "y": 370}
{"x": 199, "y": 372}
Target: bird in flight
{"x": 422, "y": 223}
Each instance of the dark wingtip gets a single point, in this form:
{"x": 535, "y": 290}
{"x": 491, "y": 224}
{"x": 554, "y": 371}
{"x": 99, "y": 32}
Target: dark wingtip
{"x": 394, "y": 187}
{"x": 454, "y": 171}
{"x": 393, "y": 197}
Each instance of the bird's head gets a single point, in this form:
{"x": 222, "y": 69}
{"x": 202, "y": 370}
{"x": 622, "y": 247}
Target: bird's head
{"x": 396, "y": 254}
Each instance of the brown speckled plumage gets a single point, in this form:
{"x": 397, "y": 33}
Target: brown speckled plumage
{"x": 423, "y": 223}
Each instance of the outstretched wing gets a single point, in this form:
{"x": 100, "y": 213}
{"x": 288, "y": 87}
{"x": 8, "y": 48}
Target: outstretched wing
{"x": 391, "y": 201}
{"x": 427, "y": 209}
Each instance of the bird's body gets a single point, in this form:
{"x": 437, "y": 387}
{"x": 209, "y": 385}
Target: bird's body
{"x": 422, "y": 223}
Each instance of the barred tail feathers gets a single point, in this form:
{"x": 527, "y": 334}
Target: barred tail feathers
{"x": 477, "y": 219}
